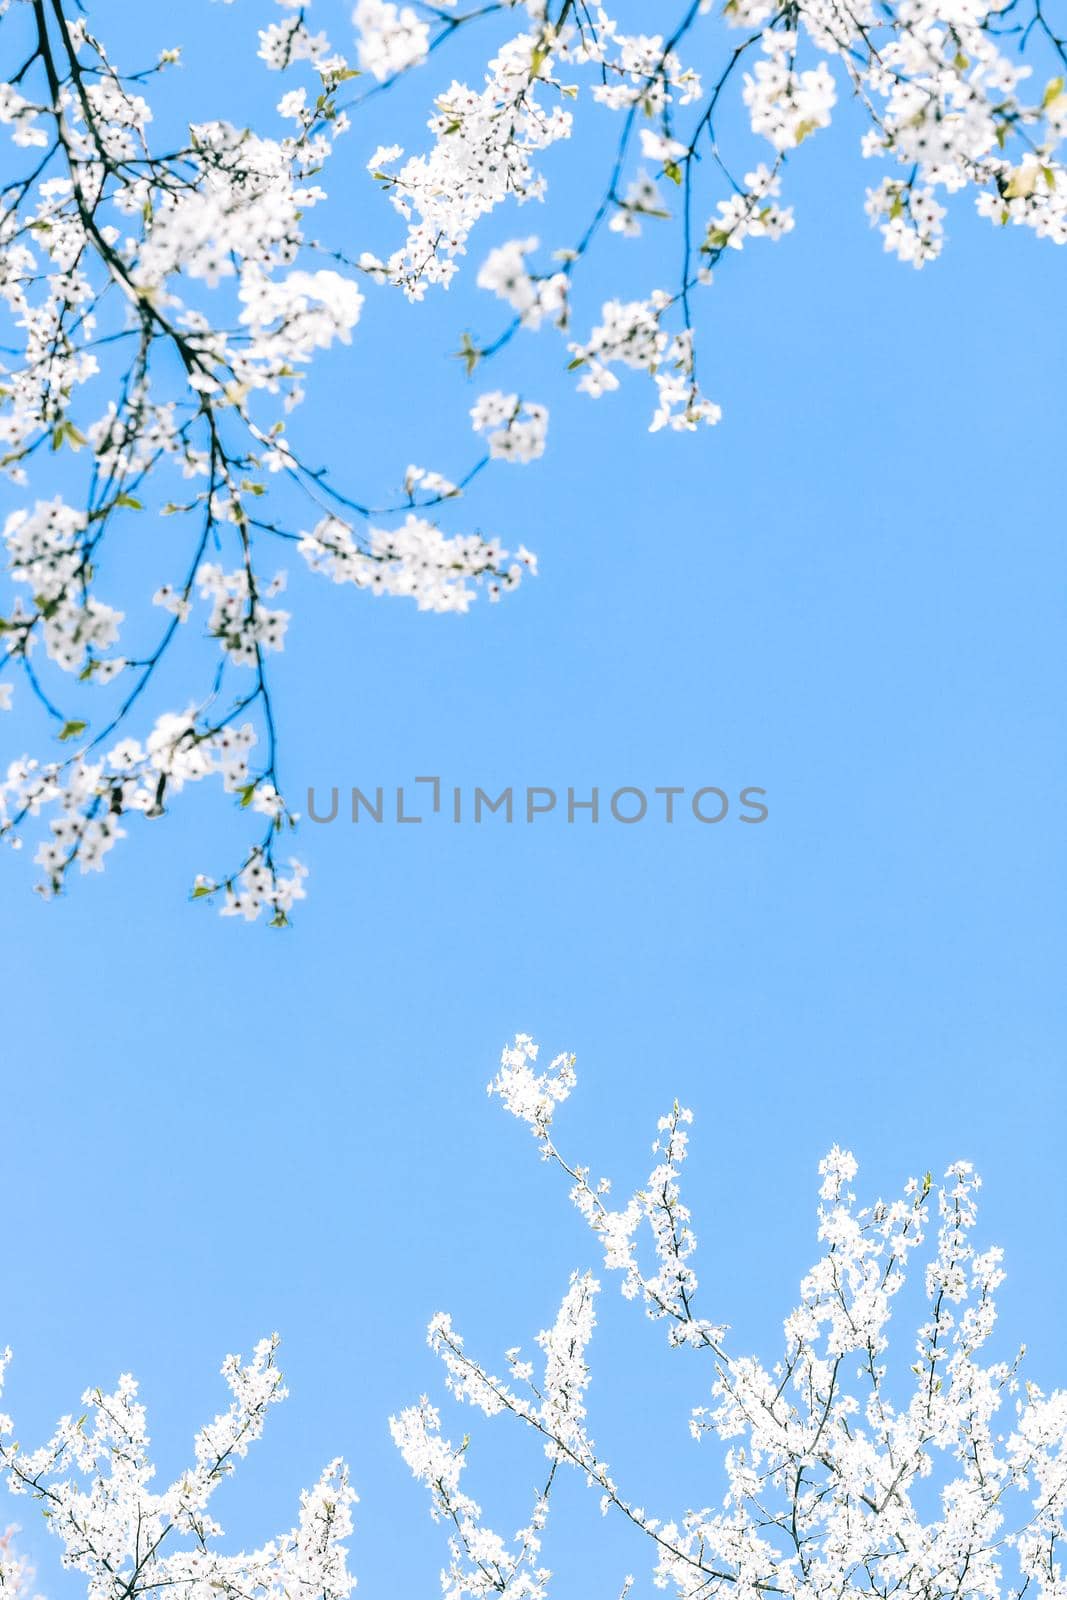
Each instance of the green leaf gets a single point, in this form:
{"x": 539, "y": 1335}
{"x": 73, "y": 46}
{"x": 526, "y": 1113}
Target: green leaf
{"x": 672, "y": 171}
{"x": 1053, "y": 90}
{"x": 579, "y": 361}
{"x": 71, "y": 730}
{"x": 246, "y": 794}
{"x": 201, "y": 890}
{"x": 537, "y": 61}
{"x": 66, "y": 432}
{"x": 469, "y": 354}
{"x": 129, "y": 501}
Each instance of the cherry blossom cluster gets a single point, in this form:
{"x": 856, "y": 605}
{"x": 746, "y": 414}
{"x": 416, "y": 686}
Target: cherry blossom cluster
{"x": 87, "y": 796}
{"x": 46, "y": 551}
{"x": 238, "y": 619}
{"x": 481, "y": 1561}
{"x": 504, "y": 273}
{"x": 932, "y": 1472}
{"x": 415, "y": 559}
{"x": 515, "y": 430}
{"x": 93, "y": 1480}
{"x": 484, "y": 153}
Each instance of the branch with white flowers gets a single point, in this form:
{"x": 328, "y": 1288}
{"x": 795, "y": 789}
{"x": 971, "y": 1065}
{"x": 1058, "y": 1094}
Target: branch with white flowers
{"x": 929, "y": 1472}
{"x": 866, "y": 1463}
{"x": 92, "y": 1481}
{"x": 164, "y": 303}
{"x": 169, "y": 290}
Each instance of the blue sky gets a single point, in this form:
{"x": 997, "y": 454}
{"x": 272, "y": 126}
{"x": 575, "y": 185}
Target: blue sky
{"x": 851, "y": 594}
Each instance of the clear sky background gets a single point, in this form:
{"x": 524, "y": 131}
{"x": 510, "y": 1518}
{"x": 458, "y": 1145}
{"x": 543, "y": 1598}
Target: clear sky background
{"x": 850, "y": 593}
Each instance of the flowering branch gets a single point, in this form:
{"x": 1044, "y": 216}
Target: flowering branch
{"x": 92, "y": 1482}
{"x": 165, "y": 305}
{"x": 845, "y": 1473}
